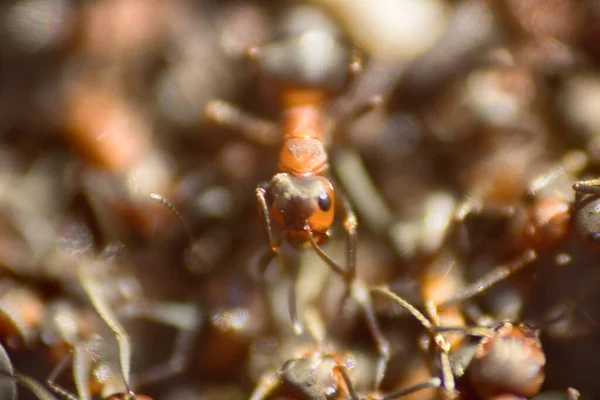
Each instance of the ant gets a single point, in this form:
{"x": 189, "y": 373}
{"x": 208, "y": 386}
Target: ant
{"x": 549, "y": 217}
{"x": 507, "y": 359}
{"x": 71, "y": 333}
{"x": 318, "y": 370}
{"x": 308, "y": 69}
{"x": 79, "y": 356}
{"x": 93, "y": 290}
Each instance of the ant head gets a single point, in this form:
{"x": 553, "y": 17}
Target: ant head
{"x": 301, "y": 202}
{"x": 311, "y": 377}
{"x": 511, "y": 360}
{"x": 587, "y": 218}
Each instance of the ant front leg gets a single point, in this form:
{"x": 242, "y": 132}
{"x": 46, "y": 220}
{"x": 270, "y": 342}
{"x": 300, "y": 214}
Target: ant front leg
{"x": 253, "y": 128}
{"x": 265, "y": 259}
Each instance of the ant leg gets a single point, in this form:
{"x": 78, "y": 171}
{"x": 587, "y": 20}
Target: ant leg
{"x": 358, "y": 290}
{"x": 261, "y": 198}
{"x": 266, "y": 385}
{"x": 315, "y": 326}
{"x": 226, "y": 114}
{"x": 81, "y": 371}
{"x": 58, "y": 369}
{"x": 34, "y": 386}
{"x": 433, "y": 383}
{"x": 350, "y": 224}
{"x": 441, "y": 343}
{"x": 360, "y": 293}
{"x": 261, "y": 193}
{"x": 8, "y": 389}
{"x": 349, "y": 386}
{"x": 293, "y": 306}
{"x": 185, "y": 318}
{"x": 102, "y": 307}
{"x": 496, "y": 275}
{"x": 587, "y": 187}
{"x": 337, "y": 268}
{"x": 431, "y": 327}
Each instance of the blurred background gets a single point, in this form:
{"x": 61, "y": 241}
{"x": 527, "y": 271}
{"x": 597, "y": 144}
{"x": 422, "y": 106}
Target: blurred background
{"x": 490, "y": 113}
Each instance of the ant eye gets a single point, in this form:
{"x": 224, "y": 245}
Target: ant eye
{"x": 324, "y": 201}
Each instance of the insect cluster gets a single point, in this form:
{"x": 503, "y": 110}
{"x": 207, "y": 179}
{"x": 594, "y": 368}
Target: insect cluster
{"x": 299, "y": 200}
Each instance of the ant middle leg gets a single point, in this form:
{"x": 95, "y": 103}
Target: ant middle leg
{"x": 356, "y": 288}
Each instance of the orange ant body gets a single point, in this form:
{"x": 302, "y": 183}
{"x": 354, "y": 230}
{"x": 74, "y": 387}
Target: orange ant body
{"x": 308, "y": 69}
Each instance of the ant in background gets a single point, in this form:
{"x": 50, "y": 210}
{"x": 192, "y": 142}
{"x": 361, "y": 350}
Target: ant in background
{"x": 72, "y": 332}
{"x": 507, "y": 359}
{"x": 94, "y": 291}
{"x": 318, "y": 370}
{"x": 309, "y": 66}
{"x": 81, "y": 358}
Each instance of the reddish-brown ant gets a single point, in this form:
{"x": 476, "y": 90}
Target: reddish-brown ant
{"x": 308, "y": 69}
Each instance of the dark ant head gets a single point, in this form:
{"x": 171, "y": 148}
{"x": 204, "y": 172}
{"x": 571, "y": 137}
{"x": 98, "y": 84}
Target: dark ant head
{"x": 509, "y": 361}
{"x": 301, "y": 202}
{"x": 311, "y": 377}
{"x": 587, "y": 218}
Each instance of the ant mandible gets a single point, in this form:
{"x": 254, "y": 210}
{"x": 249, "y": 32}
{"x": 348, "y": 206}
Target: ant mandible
{"x": 307, "y": 69}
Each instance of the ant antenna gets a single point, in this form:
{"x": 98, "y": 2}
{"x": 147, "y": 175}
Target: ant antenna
{"x": 177, "y": 214}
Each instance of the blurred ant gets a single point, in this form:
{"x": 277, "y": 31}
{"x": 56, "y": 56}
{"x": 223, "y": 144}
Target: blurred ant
{"x": 81, "y": 366}
{"x": 507, "y": 359}
{"x": 318, "y": 370}
{"x": 78, "y": 353}
{"x": 549, "y": 216}
{"x": 308, "y": 68}
{"x": 71, "y": 333}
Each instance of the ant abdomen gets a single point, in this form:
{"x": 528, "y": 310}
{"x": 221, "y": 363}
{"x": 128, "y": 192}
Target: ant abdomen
{"x": 511, "y": 361}
{"x": 309, "y": 52}
{"x": 314, "y": 59}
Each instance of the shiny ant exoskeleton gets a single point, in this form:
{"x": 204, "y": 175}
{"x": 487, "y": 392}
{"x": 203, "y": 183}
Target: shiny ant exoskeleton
{"x": 308, "y": 69}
